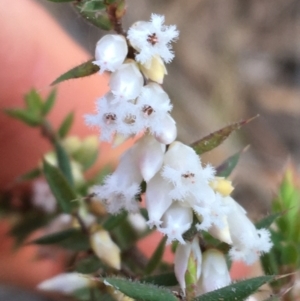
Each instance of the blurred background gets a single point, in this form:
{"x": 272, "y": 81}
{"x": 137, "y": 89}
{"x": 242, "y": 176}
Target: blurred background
{"x": 234, "y": 59}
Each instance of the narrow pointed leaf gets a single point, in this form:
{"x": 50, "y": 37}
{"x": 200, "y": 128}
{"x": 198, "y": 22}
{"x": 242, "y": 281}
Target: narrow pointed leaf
{"x": 85, "y": 69}
{"x": 141, "y": 291}
{"x": 29, "y": 223}
{"x": 88, "y": 265}
{"x": 114, "y": 220}
{"x": 155, "y": 259}
{"x": 24, "y": 116}
{"x": 60, "y": 187}
{"x": 93, "y": 6}
{"x": 99, "y": 18}
{"x": 238, "y": 291}
{"x": 268, "y": 220}
{"x": 167, "y": 279}
{"x": 30, "y": 175}
{"x": 49, "y": 103}
{"x": 34, "y": 102}
{"x": 216, "y": 138}
{"x": 72, "y": 239}
{"x": 64, "y": 162}
{"x": 226, "y": 168}
{"x": 66, "y": 125}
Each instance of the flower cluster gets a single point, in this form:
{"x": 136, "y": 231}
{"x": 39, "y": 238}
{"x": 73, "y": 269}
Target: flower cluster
{"x": 180, "y": 191}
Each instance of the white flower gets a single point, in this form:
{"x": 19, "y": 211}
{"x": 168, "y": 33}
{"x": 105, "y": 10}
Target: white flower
{"x": 149, "y": 155}
{"x": 113, "y": 118}
{"x": 153, "y": 105}
{"x": 153, "y": 38}
{"x": 155, "y": 69}
{"x": 182, "y": 168}
{"x": 214, "y": 273}
{"x": 176, "y": 221}
{"x": 168, "y": 131}
{"x": 182, "y": 256}
{"x": 157, "y": 199}
{"x": 65, "y": 283}
{"x": 126, "y": 83}
{"x": 248, "y": 243}
{"x": 110, "y": 53}
{"x": 120, "y": 189}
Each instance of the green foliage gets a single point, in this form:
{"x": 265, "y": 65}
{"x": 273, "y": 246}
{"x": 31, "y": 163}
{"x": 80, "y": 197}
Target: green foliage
{"x": 29, "y": 223}
{"x": 88, "y": 265}
{"x": 35, "y": 109}
{"x": 141, "y": 291}
{"x": 85, "y": 69}
{"x": 64, "y": 162}
{"x": 267, "y": 221}
{"x": 167, "y": 279}
{"x": 66, "y": 125}
{"x": 237, "y": 291}
{"x": 214, "y": 139}
{"x": 72, "y": 239}
{"x": 60, "y": 188}
{"x": 30, "y": 175}
{"x": 156, "y": 258}
{"x": 114, "y": 220}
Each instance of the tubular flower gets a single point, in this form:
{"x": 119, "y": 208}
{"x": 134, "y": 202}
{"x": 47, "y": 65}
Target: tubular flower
{"x": 110, "y": 53}
{"x": 152, "y": 38}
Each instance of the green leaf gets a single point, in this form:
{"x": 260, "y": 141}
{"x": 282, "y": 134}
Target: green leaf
{"x": 66, "y": 125}
{"x": 167, "y": 279}
{"x": 99, "y": 18}
{"x": 92, "y": 294}
{"x": 216, "y": 138}
{"x": 30, "y": 175}
{"x": 268, "y": 220}
{"x": 60, "y": 187}
{"x": 155, "y": 259}
{"x": 226, "y": 168}
{"x": 72, "y": 239}
{"x": 270, "y": 263}
{"x": 85, "y": 69}
{"x": 141, "y": 291}
{"x": 88, "y": 265}
{"x": 27, "y": 117}
{"x": 25, "y": 226}
{"x": 64, "y": 162}
{"x": 93, "y": 6}
{"x": 114, "y": 220}
{"x": 238, "y": 291}
{"x": 34, "y": 102}
{"x": 49, "y": 102}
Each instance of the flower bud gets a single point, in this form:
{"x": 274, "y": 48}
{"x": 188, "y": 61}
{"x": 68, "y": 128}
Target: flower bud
{"x": 214, "y": 273}
{"x": 168, "y": 132}
{"x": 149, "y": 155}
{"x": 127, "y": 82}
{"x": 66, "y": 283}
{"x": 155, "y": 69}
{"x": 157, "y": 199}
{"x": 221, "y": 185}
{"x": 110, "y": 53}
{"x": 105, "y": 248}
{"x": 176, "y": 221}
{"x": 187, "y": 263}
{"x": 138, "y": 222}
{"x": 71, "y": 144}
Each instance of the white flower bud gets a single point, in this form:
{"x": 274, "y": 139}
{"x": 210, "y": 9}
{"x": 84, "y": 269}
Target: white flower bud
{"x": 111, "y": 51}
{"x": 182, "y": 255}
{"x": 65, "y": 283}
{"x": 168, "y": 131}
{"x": 138, "y": 222}
{"x": 155, "y": 69}
{"x": 127, "y": 82}
{"x": 106, "y": 249}
{"x": 214, "y": 273}
{"x": 149, "y": 154}
{"x": 176, "y": 221}
{"x": 157, "y": 199}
